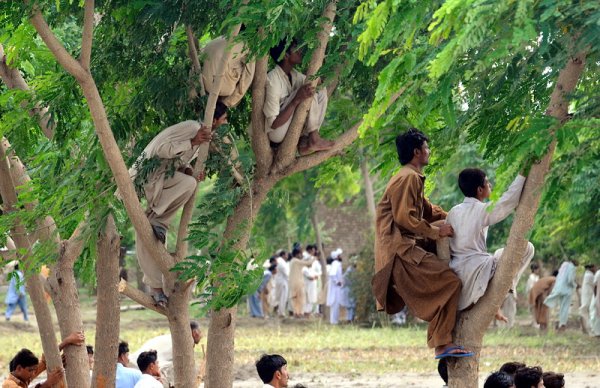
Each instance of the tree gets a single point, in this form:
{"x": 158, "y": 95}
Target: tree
{"x": 468, "y": 69}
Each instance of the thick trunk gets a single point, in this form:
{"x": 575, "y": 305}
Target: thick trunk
{"x": 34, "y": 281}
{"x": 221, "y": 329}
{"x": 107, "y": 327}
{"x": 471, "y": 325}
{"x": 63, "y": 289}
{"x": 220, "y": 348}
{"x": 179, "y": 323}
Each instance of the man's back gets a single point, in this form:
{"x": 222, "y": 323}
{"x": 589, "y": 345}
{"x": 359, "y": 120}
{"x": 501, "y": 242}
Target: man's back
{"x": 163, "y": 346}
{"x": 126, "y": 377}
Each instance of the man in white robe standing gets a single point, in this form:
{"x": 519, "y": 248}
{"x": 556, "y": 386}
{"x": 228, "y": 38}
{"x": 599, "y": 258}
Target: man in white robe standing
{"x": 312, "y": 281}
{"x": 281, "y": 283}
{"x": 470, "y": 220}
{"x": 595, "y": 308}
{"x": 587, "y": 293}
{"x": 163, "y": 175}
{"x": 562, "y": 293}
{"x": 334, "y": 287}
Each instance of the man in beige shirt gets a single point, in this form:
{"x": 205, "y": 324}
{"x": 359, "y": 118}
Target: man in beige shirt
{"x": 286, "y": 89}
{"x": 237, "y": 75}
{"x": 163, "y": 175}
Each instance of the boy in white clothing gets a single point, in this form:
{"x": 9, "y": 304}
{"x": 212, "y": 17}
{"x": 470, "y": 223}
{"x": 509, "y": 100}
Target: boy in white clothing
{"x": 470, "y": 220}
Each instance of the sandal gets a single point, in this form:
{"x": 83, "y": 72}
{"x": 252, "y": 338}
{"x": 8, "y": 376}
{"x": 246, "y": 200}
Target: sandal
{"x": 160, "y": 299}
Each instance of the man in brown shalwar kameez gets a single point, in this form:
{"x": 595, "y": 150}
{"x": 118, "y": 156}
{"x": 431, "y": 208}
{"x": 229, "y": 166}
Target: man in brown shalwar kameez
{"x": 407, "y": 270}
{"x": 539, "y": 292}
{"x": 169, "y": 185}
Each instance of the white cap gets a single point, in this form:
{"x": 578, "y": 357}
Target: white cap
{"x": 337, "y": 253}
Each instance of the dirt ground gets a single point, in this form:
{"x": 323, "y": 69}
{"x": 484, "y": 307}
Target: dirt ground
{"x": 417, "y": 380}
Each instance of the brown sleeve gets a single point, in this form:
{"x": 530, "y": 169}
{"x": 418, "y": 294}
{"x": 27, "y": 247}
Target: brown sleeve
{"x": 431, "y": 212}
{"x": 41, "y": 367}
{"x": 405, "y": 196}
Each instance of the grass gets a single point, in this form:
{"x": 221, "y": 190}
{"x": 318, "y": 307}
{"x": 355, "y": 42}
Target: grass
{"x": 313, "y": 346}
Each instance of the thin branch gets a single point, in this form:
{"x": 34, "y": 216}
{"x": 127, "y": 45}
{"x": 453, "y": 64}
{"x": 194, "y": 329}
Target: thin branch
{"x": 287, "y": 150}
{"x": 60, "y": 53}
{"x": 87, "y": 35}
{"x": 344, "y": 140}
{"x": 139, "y": 297}
{"x": 260, "y": 141}
{"x": 74, "y": 245}
{"x": 194, "y": 57}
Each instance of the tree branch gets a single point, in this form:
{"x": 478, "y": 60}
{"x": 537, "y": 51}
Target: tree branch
{"x": 60, "y": 53}
{"x": 14, "y": 80}
{"x": 74, "y": 245}
{"x": 260, "y": 141}
{"x": 344, "y": 140}
{"x": 87, "y": 35}
{"x": 139, "y": 297}
{"x": 194, "y": 57}
{"x": 287, "y": 150}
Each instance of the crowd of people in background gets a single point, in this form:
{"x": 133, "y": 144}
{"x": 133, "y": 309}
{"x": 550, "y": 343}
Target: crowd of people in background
{"x": 295, "y": 284}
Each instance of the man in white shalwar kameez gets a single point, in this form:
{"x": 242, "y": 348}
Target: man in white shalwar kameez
{"x": 312, "y": 278}
{"x": 587, "y": 293}
{"x": 237, "y": 75}
{"x": 282, "y": 284}
{"x": 595, "y": 307}
{"x": 562, "y": 293}
{"x": 334, "y": 287}
{"x": 470, "y": 220}
{"x": 169, "y": 185}
{"x": 286, "y": 89}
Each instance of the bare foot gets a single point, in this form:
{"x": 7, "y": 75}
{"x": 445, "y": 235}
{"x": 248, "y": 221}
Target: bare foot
{"x": 500, "y": 317}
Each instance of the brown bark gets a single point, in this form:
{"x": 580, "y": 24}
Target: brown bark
{"x": 179, "y": 325}
{"x": 33, "y": 281}
{"x": 472, "y": 324}
{"x": 369, "y": 194}
{"x": 287, "y": 150}
{"x": 107, "y": 308}
{"x": 220, "y": 348}
{"x": 87, "y": 35}
{"x": 260, "y": 141}
{"x": 197, "y": 68}
{"x": 63, "y": 289}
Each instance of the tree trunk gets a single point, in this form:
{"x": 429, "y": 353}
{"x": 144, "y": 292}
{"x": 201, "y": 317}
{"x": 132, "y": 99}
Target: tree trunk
{"x": 471, "y": 325}
{"x": 108, "y": 314}
{"x": 369, "y": 194}
{"x": 181, "y": 337}
{"x": 63, "y": 289}
{"x": 33, "y": 281}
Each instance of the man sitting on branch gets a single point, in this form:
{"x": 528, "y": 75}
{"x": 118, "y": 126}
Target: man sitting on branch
{"x": 163, "y": 175}
{"x": 407, "y": 270}
{"x": 286, "y": 89}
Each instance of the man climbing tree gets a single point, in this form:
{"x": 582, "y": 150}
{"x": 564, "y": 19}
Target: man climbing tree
{"x": 167, "y": 184}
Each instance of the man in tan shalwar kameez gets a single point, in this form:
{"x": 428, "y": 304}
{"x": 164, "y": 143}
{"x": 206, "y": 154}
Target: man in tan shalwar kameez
{"x": 237, "y": 75}
{"x": 169, "y": 186}
{"x": 296, "y": 282}
{"x": 539, "y": 292}
{"x": 407, "y": 270}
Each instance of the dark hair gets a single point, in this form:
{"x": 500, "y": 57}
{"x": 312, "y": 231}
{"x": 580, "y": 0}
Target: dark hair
{"x": 145, "y": 359}
{"x": 499, "y": 380}
{"x": 329, "y": 260}
{"x": 589, "y": 266}
{"x": 267, "y": 365}
{"x": 528, "y": 377}
{"x": 123, "y": 348}
{"x": 511, "y": 367}
{"x": 25, "y": 358}
{"x": 555, "y": 273}
{"x": 277, "y": 51}
{"x": 469, "y": 180}
{"x": 534, "y": 266}
{"x": 16, "y": 266}
{"x": 194, "y": 325}
{"x": 407, "y": 142}
{"x": 89, "y": 349}
{"x": 443, "y": 369}
{"x": 272, "y": 268}
{"x": 283, "y": 254}
{"x": 220, "y": 110}
{"x": 553, "y": 380}
{"x": 296, "y": 251}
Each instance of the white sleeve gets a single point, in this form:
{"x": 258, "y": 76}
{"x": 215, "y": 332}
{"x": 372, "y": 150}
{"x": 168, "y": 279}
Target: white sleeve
{"x": 507, "y": 203}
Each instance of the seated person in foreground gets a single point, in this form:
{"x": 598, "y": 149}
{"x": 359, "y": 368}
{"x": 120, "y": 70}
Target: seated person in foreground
{"x": 272, "y": 370}
{"x": 471, "y": 219}
{"x": 148, "y": 364}
{"x": 286, "y": 89}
